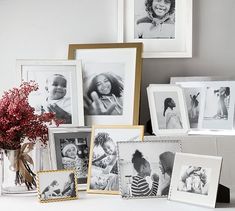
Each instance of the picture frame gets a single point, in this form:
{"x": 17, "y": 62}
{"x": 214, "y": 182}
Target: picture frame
{"x": 145, "y": 168}
{"x": 65, "y": 99}
{"x": 111, "y": 75}
{"x": 169, "y": 37}
{"x": 103, "y": 172}
{"x": 178, "y": 80}
{"x": 218, "y": 106}
{"x": 69, "y": 149}
{"x": 168, "y": 109}
{"x": 195, "y": 179}
{"x": 56, "y": 185}
{"x": 194, "y": 94}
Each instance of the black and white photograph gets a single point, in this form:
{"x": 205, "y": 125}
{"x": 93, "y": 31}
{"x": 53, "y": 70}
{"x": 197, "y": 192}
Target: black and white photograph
{"x": 103, "y": 88}
{"x": 167, "y": 108}
{"x": 195, "y": 179}
{"x": 164, "y": 26}
{"x": 70, "y": 150}
{"x": 57, "y": 82}
{"x": 103, "y": 169}
{"x": 218, "y": 110}
{"x": 145, "y": 168}
{"x": 56, "y": 186}
{"x": 154, "y": 19}
{"x": 111, "y": 82}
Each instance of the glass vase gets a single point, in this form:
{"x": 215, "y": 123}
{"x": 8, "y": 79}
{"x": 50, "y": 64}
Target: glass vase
{"x": 18, "y": 170}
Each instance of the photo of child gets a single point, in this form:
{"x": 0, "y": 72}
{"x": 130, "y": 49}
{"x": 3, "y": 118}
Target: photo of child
{"x": 139, "y": 186}
{"x": 56, "y": 100}
{"x": 194, "y": 179}
{"x": 154, "y": 19}
{"x": 62, "y": 185}
{"x": 103, "y": 168}
{"x": 74, "y": 153}
{"x": 145, "y": 168}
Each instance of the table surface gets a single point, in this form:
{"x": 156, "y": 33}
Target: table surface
{"x": 88, "y": 202}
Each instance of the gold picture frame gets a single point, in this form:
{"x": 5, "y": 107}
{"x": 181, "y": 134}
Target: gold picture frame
{"x": 46, "y": 186}
{"x": 110, "y": 179}
{"x": 106, "y": 55}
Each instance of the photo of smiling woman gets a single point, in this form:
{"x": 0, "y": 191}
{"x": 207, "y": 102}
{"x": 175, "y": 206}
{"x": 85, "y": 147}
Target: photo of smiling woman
{"x": 155, "y": 19}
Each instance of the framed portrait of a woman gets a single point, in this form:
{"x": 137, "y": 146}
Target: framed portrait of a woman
{"x": 164, "y": 26}
{"x": 168, "y": 109}
{"x": 111, "y": 81}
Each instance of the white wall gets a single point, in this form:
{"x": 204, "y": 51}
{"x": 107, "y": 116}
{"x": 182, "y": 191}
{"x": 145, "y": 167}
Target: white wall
{"x": 31, "y": 29}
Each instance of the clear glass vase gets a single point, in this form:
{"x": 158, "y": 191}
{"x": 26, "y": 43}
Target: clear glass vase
{"x": 19, "y": 169}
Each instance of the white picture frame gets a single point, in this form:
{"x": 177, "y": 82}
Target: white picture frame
{"x": 64, "y": 139}
{"x": 67, "y": 106}
{"x": 168, "y": 110}
{"x": 120, "y": 62}
{"x": 195, "y": 179}
{"x": 179, "y": 47}
{"x": 103, "y": 167}
{"x": 159, "y": 154}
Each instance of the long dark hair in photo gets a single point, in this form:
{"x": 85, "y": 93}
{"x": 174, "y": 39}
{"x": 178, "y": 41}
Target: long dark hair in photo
{"x": 116, "y": 85}
{"x": 167, "y": 161}
{"x": 138, "y": 160}
{"x": 167, "y": 104}
{"x": 149, "y": 8}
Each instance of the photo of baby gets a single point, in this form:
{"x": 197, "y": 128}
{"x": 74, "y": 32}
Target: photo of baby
{"x": 54, "y": 95}
{"x": 75, "y": 155}
{"x": 194, "y": 179}
{"x": 103, "y": 170}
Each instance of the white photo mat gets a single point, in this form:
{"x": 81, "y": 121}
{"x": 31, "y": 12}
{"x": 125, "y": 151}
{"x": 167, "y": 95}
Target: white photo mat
{"x": 39, "y": 70}
{"x": 182, "y": 110}
{"x": 155, "y": 146}
{"x": 179, "y": 47}
{"x": 211, "y": 163}
{"x": 126, "y": 57}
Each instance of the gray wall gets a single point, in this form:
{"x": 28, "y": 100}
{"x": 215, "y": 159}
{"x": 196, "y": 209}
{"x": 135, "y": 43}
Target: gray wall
{"x": 213, "y": 48}
{"x": 32, "y": 29}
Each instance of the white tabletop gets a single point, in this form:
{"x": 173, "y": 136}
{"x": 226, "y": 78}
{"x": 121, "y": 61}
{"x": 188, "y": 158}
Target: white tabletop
{"x": 88, "y": 202}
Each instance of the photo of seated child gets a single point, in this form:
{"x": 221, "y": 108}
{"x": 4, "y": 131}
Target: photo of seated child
{"x": 105, "y": 161}
{"x": 140, "y": 186}
{"x": 56, "y": 99}
{"x": 71, "y": 159}
{"x": 194, "y": 180}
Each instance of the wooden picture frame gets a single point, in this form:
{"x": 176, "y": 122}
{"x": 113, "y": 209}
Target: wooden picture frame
{"x": 102, "y": 172}
{"x": 51, "y": 192}
{"x": 119, "y": 64}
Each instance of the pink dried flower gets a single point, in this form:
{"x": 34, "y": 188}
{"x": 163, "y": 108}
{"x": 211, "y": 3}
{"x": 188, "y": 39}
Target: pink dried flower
{"x": 18, "y": 120}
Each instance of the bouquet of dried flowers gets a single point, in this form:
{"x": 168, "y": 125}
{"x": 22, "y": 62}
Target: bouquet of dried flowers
{"x": 19, "y": 122}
